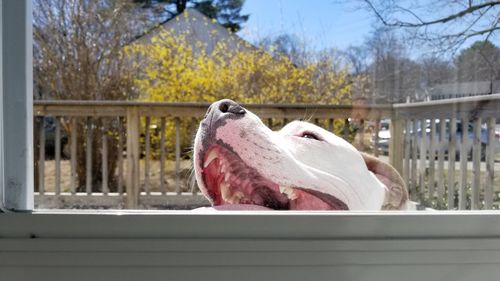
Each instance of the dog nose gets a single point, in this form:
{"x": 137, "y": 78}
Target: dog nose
{"x": 229, "y": 106}
{"x": 224, "y": 109}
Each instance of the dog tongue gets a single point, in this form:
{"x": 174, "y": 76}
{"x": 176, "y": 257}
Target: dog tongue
{"x": 237, "y": 207}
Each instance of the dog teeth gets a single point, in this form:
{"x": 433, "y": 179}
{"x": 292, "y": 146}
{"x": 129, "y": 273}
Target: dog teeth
{"x": 211, "y": 157}
{"x": 226, "y": 192}
{"x": 290, "y": 192}
{"x": 236, "y": 198}
{"x": 226, "y": 176}
{"x": 223, "y": 168}
{"x": 228, "y": 196}
{"x": 282, "y": 189}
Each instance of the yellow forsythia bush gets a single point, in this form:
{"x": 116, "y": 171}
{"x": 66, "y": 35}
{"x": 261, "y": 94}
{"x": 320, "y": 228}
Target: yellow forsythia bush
{"x": 175, "y": 70}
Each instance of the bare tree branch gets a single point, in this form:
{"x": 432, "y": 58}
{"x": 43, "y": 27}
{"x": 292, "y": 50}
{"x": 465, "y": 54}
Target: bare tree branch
{"x": 421, "y": 23}
{"x": 481, "y": 32}
{"x": 446, "y": 33}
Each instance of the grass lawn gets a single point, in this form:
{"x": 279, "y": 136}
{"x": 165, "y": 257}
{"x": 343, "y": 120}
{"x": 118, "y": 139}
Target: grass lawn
{"x": 185, "y": 175}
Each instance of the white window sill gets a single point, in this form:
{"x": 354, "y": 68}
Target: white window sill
{"x": 182, "y": 245}
{"x": 246, "y": 224}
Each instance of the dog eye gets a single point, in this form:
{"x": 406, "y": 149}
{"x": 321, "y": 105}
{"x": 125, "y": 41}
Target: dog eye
{"x": 309, "y": 135}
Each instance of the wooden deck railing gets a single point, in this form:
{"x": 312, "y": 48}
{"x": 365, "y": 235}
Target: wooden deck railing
{"x": 115, "y": 162}
{"x": 468, "y": 185}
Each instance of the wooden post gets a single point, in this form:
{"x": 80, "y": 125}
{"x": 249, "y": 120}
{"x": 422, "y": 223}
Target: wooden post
{"x": 120, "y": 155}
{"x": 74, "y": 136}
{"x": 177, "y": 155}
{"x": 57, "y": 142}
{"x": 41, "y": 157}
{"x": 407, "y": 141}
{"x": 132, "y": 177}
{"x": 476, "y": 165}
{"x": 414, "y": 161}
{"x": 163, "y": 154}
{"x": 88, "y": 157}
{"x": 432, "y": 156}
{"x": 451, "y": 163}
{"x": 490, "y": 164}
{"x": 462, "y": 191}
{"x": 440, "y": 176}
{"x": 147, "y": 156}
{"x": 423, "y": 156}
{"x": 396, "y": 145}
{"x": 104, "y": 159}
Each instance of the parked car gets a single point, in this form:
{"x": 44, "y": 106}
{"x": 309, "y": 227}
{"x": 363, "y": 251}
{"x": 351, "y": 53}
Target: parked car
{"x": 384, "y": 137}
{"x": 458, "y": 144}
{"x": 50, "y": 136}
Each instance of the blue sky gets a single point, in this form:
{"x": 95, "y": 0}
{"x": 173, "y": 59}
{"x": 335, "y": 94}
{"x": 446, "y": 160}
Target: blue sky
{"x": 322, "y": 23}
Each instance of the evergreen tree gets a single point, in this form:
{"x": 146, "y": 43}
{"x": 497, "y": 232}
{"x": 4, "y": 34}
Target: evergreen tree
{"x": 226, "y": 12}
{"x": 479, "y": 62}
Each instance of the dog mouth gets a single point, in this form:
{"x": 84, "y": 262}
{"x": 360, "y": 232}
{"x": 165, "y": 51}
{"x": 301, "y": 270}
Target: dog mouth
{"x": 233, "y": 185}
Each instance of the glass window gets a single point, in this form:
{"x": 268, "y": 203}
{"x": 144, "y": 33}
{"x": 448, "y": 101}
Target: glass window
{"x": 122, "y": 93}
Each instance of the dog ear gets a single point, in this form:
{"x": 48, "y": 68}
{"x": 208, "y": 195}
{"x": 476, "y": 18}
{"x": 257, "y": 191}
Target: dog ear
{"x": 396, "y": 194}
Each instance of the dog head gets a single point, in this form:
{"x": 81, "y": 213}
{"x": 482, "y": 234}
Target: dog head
{"x": 241, "y": 164}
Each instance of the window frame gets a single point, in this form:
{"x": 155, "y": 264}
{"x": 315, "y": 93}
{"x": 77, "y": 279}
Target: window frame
{"x": 16, "y": 107}
{"x": 156, "y": 245}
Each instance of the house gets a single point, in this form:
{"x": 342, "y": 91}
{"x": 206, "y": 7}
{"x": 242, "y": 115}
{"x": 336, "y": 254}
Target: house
{"x": 463, "y": 89}
{"x": 198, "y": 28}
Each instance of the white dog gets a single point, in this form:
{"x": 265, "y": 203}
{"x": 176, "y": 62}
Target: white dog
{"x": 241, "y": 164}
